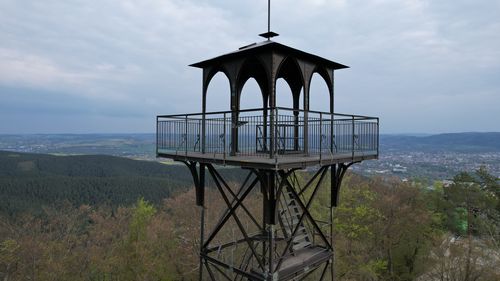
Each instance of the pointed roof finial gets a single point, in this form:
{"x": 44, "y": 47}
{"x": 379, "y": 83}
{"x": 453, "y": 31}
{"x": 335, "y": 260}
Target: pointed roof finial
{"x": 269, "y": 34}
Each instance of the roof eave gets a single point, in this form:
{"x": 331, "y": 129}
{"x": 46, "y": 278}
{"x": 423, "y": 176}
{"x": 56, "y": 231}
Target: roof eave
{"x": 268, "y": 44}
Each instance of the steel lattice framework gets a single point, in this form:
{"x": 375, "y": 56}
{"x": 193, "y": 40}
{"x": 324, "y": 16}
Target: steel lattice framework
{"x": 284, "y": 241}
{"x": 278, "y": 250}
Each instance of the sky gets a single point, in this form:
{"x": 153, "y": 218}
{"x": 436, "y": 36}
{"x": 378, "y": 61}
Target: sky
{"x": 111, "y": 66}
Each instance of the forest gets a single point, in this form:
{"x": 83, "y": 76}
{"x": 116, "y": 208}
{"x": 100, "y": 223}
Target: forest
{"x": 30, "y": 181}
{"x": 385, "y": 229}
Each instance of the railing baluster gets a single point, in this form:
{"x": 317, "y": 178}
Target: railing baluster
{"x": 158, "y": 136}
{"x": 353, "y": 138}
{"x": 285, "y": 134}
{"x": 224, "y": 139}
{"x": 186, "y": 135}
{"x": 320, "y": 137}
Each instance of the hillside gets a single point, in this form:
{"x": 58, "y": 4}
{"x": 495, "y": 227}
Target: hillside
{"x": 452, "y": 142}
{"x": 29, "y": 181}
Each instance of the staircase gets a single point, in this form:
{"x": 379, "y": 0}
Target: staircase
{"x": 302, "y": 256}
{"x": 290, "y": 214}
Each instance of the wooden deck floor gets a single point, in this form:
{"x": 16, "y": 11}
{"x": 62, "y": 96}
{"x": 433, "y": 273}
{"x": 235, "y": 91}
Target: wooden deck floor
{"x": 263, "y": 161}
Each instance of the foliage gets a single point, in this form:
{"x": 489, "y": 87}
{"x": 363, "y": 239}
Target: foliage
{"x": 384, "y": 229}
{"x": 471, "y": 214}
{"x": 89, "y": 243}
{"x": 30, "y": 181}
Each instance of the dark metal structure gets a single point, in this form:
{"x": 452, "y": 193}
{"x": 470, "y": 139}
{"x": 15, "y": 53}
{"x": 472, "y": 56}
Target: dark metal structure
{"x": 285, "y": 241}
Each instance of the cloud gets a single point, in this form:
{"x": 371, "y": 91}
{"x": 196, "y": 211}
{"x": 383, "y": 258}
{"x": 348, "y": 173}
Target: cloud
{"x": 22, "y": 69}
{"x": 31, "y": 70}
{"x": 119, "y": 57}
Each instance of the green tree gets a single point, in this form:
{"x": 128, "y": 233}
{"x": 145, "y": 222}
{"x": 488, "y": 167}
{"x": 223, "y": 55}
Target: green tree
{"x": 142, "y": 214}
{"x": 9, "y": 258}
{"x": 471, "y": 251}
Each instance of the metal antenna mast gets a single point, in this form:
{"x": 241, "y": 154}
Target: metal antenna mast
{"x": 269, "y": 34}
{"x": 268, "y": 16}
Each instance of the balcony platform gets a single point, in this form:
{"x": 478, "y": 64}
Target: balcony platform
{"x": 299, "y": 263}
{"x": 278, "y": 138}
{"x": 263, "y": 161}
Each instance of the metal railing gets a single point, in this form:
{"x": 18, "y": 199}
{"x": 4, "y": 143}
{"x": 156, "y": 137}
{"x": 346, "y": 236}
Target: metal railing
{"x": 277, "y": 132}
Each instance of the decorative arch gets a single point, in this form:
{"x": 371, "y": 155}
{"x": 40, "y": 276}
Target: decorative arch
{"x": 323, "y": 72}
{"x": 253, "y": 67}
{"x": 284, "y": 94}
{"x": 217, "y": 94}
{"x": 210, "y": 73}
{"x": 290, "y": 71}
{"x": 327, "y": 76}
{"x": 319, "y": 94}
{"x": 246, "y": 99}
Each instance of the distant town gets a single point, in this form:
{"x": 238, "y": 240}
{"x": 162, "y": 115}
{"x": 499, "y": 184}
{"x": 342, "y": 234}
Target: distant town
{"x": 431, "y": 158}
{"x": 430, "y": 165}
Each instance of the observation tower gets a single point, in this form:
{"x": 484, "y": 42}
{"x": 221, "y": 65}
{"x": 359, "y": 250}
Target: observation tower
{"x": 284, "y": 240}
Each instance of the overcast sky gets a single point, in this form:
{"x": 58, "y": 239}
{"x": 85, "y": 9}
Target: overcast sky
{"x": 109, "y": 66}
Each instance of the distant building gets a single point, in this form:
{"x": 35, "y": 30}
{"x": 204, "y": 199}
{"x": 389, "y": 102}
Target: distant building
{"x": 447, "y": 183}
{"x": 399, "y": 169}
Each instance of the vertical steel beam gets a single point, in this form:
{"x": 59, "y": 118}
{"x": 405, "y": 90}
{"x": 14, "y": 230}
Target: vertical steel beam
{"x": 296, "y": 120}
{"x": 157, "y": 135}
{"x": 203, "y": 111}
{"x": 332, "y": 261}
{"x": 234, "y": 119}
{"x": 186, "y": 134}
{"x": 331, "y": 90}
{"x": 337, "y": 172}
{"x": 271, "y": 216}
{"x": 202, "y": 228}
{"x": 320, "y": 137}
{"x": 272, "y": 128}
{"x": 201, "y": 186}
{"x": 352, "y": 138}
{"x": 306, "y": 119}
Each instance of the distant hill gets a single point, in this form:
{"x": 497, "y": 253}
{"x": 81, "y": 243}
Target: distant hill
{"x": 29, "y": 181}
{"x": 142, "y": 146}
{"x": 453, "y": 142}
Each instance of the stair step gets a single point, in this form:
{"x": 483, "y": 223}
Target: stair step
{"x": 290, "y": 215}
{"x": 300, "y": 231}
{"x": 290, "y": 220}
{"x": 301, "y": 245}
{"x": 287, "y": 215}
{"x": 291, "y": 225}
{"x": 299, "y": 237}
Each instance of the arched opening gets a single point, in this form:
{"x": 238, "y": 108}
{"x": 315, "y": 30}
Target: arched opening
{"x": 284, "y": 95}
{"x": 218, "y": 93}
{"x": 319, "y": 94}
{"x": 289, "y": 87}
{"x": 253, "y": 70}
{"x": 251, "y": 95}
{"x": 250, "y": 124}
{"x": 291, "y": 83}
